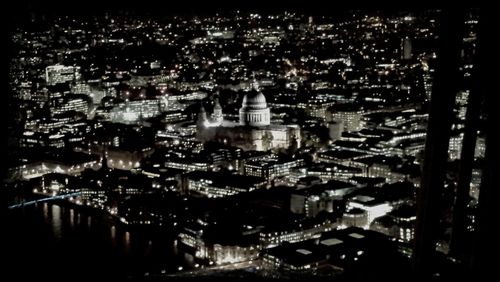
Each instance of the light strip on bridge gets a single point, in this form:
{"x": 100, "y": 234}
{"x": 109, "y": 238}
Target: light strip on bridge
{"x": 44, "y": 200}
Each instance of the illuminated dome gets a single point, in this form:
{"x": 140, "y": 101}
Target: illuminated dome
{"x": 254, "y": 110}
{"x": 254, "y": 100}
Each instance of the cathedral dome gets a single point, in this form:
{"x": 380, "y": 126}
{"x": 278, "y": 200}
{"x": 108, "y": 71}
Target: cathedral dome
{"x": 254, "y": 110}
{"x": 254, "y": 100}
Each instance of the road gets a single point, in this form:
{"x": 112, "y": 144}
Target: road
{"x": 202, "y": 271}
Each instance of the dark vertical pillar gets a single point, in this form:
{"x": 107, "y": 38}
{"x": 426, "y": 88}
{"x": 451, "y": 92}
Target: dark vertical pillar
{"x": 458, "y": 238}
{"x": 436, "y": 145}
{"x": 485, "y": 262}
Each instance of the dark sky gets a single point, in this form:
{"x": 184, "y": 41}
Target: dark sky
{"x": 169, "y": 7}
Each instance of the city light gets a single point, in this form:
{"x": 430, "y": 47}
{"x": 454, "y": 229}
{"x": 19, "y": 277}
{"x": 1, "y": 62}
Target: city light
{"x": 266, "y": 143}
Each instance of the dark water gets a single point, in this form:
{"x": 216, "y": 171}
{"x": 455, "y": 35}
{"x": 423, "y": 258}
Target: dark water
{"x": 53, "y": 241}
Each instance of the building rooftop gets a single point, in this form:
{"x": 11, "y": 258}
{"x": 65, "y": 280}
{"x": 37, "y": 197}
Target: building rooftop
{"x": 338, "y": 247}
{"x": 222, "y": 179}
{"x": 391, "y": 161}
{"x": 341, "y": 154}
{"x": 324, "y": 187}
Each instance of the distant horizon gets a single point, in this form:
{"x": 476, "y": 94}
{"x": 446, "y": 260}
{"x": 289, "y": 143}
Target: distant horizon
{"x": 27, "y": 12}
{"x": 156, "y": 8}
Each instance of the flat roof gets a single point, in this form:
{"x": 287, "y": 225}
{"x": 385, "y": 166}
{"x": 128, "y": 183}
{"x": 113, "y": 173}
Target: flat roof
{"x": 303, "y": 251}
{"x": 363, "y": 198}
{"x": 357, "y": 235}
{"x": 331, "y": 242}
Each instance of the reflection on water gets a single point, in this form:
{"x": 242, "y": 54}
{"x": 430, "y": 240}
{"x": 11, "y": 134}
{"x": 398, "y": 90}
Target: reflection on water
{"x": 113, "y": 235}
{"x": 45, "y": 212}
{"x": 73, "y": 235}
{"x": 56, "y": 220}
{"x": 127, "y": 241}
{"x": 176, "y": 251}
{"x": 149, "y": 247}
{"x": 72, "y": 218}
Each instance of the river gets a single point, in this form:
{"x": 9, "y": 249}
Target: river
{"x": 49, "y": 240}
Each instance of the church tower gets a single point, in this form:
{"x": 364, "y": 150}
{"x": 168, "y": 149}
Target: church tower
{"x": 202, "y": 120}
{"x": 217, "y": 115}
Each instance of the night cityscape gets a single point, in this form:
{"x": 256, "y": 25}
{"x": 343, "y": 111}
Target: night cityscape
{"x": 250, "y": 144}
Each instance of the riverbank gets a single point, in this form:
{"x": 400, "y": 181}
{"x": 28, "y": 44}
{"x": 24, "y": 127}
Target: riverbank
{"x": 58, "y": 238}
{"x": 102, "y": 215}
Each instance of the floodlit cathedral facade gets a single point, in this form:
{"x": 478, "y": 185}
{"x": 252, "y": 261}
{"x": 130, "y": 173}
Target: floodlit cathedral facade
{"x": 254, "y": 131}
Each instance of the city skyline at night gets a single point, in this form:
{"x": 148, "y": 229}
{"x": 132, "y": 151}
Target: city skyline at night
{"x": 256, "y": 143}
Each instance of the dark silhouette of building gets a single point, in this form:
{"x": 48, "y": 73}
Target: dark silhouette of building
{"x": 478, "y": 262}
